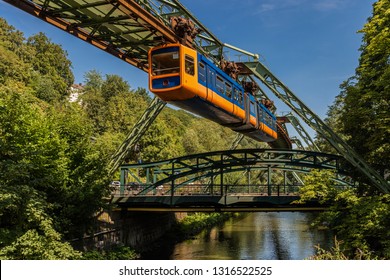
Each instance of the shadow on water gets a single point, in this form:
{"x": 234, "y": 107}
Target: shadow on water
{"x": 271, "y": 236}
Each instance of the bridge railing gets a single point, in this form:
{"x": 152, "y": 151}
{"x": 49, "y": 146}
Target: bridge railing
{"x": 203, "y": 189}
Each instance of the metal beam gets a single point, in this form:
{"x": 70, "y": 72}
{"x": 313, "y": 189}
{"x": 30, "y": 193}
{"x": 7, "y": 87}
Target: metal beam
{"x": 211, "y": 164}
{"x": 302, "y": 131}
{"x": 304, "y": 112}
{"x": 136, "y": 133}
{"x": 82, "y": 23}
{"x": 79, "y": 7}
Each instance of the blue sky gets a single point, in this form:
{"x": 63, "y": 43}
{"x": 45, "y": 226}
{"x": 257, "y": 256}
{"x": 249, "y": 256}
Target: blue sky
{"x": 311, "y": 45}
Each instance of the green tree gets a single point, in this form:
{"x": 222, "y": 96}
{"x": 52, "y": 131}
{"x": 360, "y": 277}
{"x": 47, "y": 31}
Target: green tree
{"x": 114, "y": 85}
{"x": 363, "y": 115}
{"x": 34, "y": 168}
{"x": 51, "y": 62}
{"x": 27, "y": 230}
{"x": 319, "y": 186}
{"x": 87, "y": 174}
{"x": 93, "y": 80}
{"x": 361, "y": 223}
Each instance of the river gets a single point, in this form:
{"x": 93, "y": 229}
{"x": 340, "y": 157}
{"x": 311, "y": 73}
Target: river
{"x": 255, "y": 236}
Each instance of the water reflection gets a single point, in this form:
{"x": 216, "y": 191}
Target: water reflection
{"x": 280, "y": 236}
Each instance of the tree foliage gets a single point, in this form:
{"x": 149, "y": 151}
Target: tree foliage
{"x": 34, "y": 168}
{"x": 361, "y": 223}
{"x": 361, "y": 111}
{"x": 319, "y": 186}
{"x": 53, "y": 177}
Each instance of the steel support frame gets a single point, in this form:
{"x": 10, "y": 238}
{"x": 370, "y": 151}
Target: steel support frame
{"x": 306, "y": 114}
{"x": 302, "y": 131}
{"x": 170, "y": 171}
{"x": 150, "y": 114}
{"x": 151, "y": 188}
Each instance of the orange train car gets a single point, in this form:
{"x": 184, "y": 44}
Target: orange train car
{"x": 181, "y": 76}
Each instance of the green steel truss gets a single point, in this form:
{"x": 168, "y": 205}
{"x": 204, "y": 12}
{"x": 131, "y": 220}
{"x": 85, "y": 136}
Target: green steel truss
{"x": 124, "y": 28}
{"x": 136, "y": 133}
{"x": 119, "y": 27}
{"x": 182, "y": 171}
{"x": 305, "y": 136}
{"x": 306, "y": 114}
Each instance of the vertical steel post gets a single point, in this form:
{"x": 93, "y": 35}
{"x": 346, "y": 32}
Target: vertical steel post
{"x": 249, "y": 180}
{"x": 269, "y": 180}
{"x": 122, "y": 180}
{"x": 212, "y": 184}
{"x": 147, "y": 175}
{"x": 172, "y": 183}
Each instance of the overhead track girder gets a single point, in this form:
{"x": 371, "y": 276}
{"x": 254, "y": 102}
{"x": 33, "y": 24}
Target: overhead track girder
{"x": 108, "y": 25}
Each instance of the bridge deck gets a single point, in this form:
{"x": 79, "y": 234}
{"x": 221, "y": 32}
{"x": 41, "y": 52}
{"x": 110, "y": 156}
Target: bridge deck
{"x": 211, "y": 203}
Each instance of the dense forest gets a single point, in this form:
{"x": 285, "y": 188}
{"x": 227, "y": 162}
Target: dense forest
{"x": 54, "y": 153}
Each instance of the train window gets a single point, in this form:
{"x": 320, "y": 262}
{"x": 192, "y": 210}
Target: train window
{"x": 252, "y": 107}
{"x": 238, "y": 96}
{"x": 202, "y": 72}
{"x": 268, "y": 119}
{"x": 165, "y": 61}
{"x": 219, "y": 84}
{"x": 228, "y": 88}
{"x": 189, "y": 65}
{"x": 210, "y": 78}
{"x": 263, "y": 113}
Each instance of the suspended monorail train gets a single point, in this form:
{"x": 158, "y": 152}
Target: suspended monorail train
{"x": 183, "y": 77}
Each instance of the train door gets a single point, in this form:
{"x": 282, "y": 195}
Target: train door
{"x": 210, "y": 83}
{"x": 258, "y": 114}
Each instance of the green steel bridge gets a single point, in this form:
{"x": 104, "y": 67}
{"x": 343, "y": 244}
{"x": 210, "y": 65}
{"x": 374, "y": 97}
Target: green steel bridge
{"x": 201, "y": 182}
{"x": 127, "y": 29}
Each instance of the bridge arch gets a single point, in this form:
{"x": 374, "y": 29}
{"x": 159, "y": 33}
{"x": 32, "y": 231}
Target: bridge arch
{"x": 183, "y": 171}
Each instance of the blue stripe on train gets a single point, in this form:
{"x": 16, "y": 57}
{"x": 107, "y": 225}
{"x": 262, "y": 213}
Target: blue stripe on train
{"x": 167, "y": 82}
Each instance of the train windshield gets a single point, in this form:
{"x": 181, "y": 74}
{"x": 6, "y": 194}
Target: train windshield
{"x": 165, "y": 61}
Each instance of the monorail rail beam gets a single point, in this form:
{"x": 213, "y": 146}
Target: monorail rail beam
{"x": 206, "y": 42}
{"x": 304, "y": 112}
{"x": 105, "y": 24}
